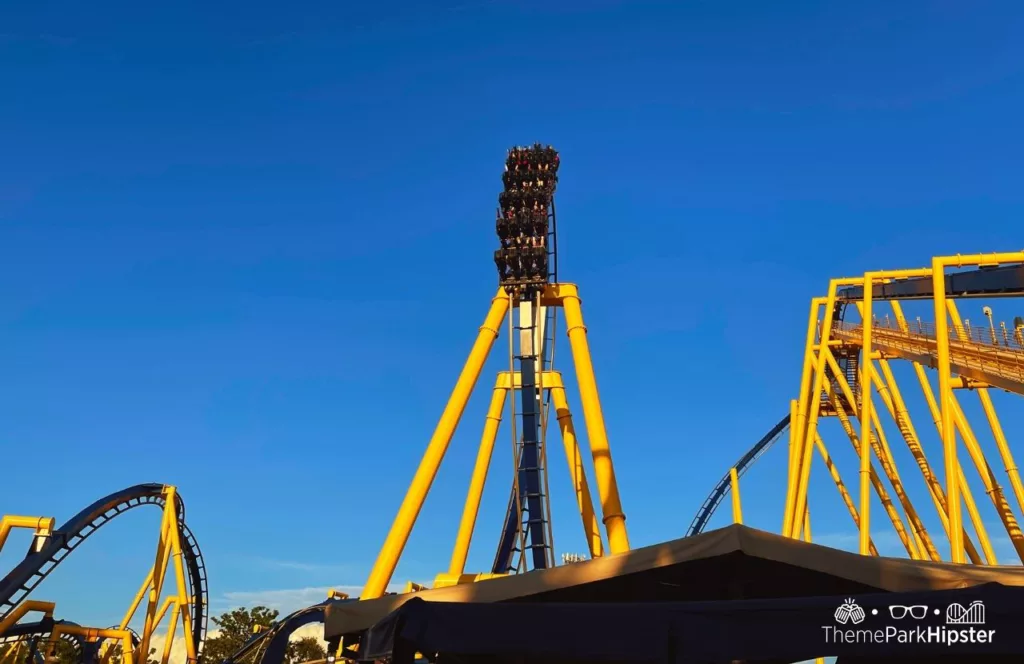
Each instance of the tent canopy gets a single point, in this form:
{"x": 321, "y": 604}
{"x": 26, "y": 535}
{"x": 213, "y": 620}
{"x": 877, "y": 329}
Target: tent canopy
{"x": 763, "y": 631}
{"x": 736, "y": 562}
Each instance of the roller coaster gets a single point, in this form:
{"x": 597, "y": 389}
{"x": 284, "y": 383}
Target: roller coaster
{"x": 848, "y": 376}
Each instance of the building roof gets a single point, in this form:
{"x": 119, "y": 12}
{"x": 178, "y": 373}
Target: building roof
{"x": 735, "y": 562}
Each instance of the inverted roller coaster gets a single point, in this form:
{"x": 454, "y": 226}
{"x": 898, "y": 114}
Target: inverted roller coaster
{"x": 848, "y": 377}
{"x": 185, "y": 599}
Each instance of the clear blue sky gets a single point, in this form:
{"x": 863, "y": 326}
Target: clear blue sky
{"x": 244, "y": 249}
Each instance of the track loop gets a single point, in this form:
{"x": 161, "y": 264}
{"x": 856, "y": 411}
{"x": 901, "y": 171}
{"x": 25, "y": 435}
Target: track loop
{"x": 45, "y": 555}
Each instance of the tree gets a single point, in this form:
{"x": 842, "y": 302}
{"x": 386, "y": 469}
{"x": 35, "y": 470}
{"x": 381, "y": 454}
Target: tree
{"x": 64, "y": 652}
{"x": 115, "y": 656}
{"x": 236, "y": 627}
{"x": 306, "y": 649}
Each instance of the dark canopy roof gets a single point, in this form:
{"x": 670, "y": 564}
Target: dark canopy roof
{"x": 735, "y": 562}
{"x": 764, "y": 631}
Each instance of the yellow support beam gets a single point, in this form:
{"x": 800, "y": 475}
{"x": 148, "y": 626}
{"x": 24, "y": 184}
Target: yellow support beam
{"x": 401, "y": 528}
{"x": 565, "y": 296}
{"x": 476, "y": 484}
{"x": 943, "y": 367}
{"x": 42, "y": 525}
{"x": 737, "y": 508}
{"x": 584, "y": 501}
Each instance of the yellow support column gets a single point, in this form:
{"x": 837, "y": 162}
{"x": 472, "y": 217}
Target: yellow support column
{"x": 169, "y": 639}
{"x": 182, "y": 599}
{"x": 933, "y": 409}
{"x": 387, "y": 559}
{"x": 948, "y": 435}
{"x": 840, "y": 486}
{"x": 798, "y": 414}
{"x": 891, "y": 396}
{"x": 992, "y": 488}
{"x": 476, "y": 483}
{"x": 993, "y": 420}
{"x": 1004, "y": 448}
{"x": 591, "y": 527}
{"x": 814, "y": 407}
{"x": 881, "y": 452}
{"x": 159, "y": 574}
{"x": 604, "y": 471}
{"x": 883, "y": 495}
{"x": 865, "y": 416}
{"x": 737, "y": 509}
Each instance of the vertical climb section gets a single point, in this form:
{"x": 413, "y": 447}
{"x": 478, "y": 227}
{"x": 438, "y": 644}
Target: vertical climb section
{"x": 525, "y": 262}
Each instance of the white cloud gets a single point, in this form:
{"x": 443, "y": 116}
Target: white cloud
{"x": 179, "y": 656}
{"x": 284, "y": 600}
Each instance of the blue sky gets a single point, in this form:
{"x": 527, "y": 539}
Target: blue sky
{"x": 246, "y": 248}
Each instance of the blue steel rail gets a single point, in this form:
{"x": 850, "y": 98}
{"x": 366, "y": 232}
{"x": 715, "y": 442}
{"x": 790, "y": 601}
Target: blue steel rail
{"x": 723, "y": 487}
{"x": 86, "y": 651}
{"x": 46, "y": 554}
{"x": 270, "y": 646}
{"x": 34, "y": 631}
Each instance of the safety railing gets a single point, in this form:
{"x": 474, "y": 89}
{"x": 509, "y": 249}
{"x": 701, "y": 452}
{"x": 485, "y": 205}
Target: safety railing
{"x": 997, "y": 351}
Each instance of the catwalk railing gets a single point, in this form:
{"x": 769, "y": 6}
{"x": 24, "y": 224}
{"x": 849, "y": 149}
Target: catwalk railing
{"x": 989, "y": 354}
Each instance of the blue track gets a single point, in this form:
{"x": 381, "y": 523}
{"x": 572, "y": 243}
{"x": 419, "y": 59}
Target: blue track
{"x": 46, "y": 553}
{"x": 723, "y": 487}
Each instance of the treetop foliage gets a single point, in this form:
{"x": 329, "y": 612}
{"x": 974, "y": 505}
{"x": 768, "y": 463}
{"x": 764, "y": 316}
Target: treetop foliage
{"x": 234, "y": 629}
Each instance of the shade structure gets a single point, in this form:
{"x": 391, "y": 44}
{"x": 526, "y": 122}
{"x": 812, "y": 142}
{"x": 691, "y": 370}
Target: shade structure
{"x": 977, "y": 624}
{"x": 736, "y": 562}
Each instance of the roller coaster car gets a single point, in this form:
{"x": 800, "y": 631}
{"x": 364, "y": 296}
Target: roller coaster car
{"x": 522, "y": 224}
{"x": 522, "y": 265}
{"x": 518, "y": 199}
{"x": 524, "y": 228}
{"x": 535, "y": 157}
{"x": 542, "y": 181}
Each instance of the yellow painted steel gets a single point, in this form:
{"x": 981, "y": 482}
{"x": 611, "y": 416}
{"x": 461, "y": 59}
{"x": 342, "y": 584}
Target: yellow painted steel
{"x": 476, "y": 483}
{"x": 965, "y": 489}
{"x": 799, "y": 424}
{"x": 873, "y": 444}
{"x": 813, "y": 406}
{"x": 865, "y": 418}
{"x": 176, "y": 604}
{"x": 584, "y": 501}
{"x": 25, "y": 607}
{"x": 841, "y": 487}
{"x": 737, "y": 508}
{"x": 446, "y": 580}
{"x": 890, "y": 394}
{"x": 43, "y": 526}
{"x": 993, "y": 489}
{"x": 604, "y": 472}
{"x": 963, "y": 360}
{"x": 549, "y": 382}
{"x": 880, "y": 490}
{"x": 942, "y": 365}
{"x": 387, "y": 559}
{"x": 121, "y": 636}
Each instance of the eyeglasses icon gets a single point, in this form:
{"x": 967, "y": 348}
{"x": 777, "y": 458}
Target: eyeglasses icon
{"x": 899, "y": 612}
